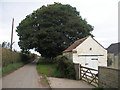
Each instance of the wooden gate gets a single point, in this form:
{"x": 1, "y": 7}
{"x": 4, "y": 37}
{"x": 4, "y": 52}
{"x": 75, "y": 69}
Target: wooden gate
{"x": 89, "y": 75}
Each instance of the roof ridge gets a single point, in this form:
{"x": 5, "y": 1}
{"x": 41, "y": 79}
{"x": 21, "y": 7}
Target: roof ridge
{"x": 113, "y": 44}
{"x": 116, "y": 43}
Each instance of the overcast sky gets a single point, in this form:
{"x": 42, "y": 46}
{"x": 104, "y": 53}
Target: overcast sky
{"x": 102, "y": 14}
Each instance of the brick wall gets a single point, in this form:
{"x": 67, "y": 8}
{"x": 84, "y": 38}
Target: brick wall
{"x": 108, "y": 77}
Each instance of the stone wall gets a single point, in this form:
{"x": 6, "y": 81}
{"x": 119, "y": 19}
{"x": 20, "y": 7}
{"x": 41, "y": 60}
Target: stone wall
{"x": 108, "y": 77}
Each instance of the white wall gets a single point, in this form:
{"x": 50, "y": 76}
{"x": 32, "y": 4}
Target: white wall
{"x": 84, "y": 49}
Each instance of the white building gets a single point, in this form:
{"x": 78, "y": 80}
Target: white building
{"x": 87, "y": 52}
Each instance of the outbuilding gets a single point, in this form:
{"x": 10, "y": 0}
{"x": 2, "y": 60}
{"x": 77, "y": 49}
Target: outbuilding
{"x": 113, "y": 55}
{"x": 87, "y": 52}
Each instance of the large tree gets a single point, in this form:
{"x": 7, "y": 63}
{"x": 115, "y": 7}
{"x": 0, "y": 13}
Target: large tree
{"x": 51, "y": 29}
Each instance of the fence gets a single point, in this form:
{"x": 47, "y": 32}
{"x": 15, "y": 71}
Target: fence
{"x": 87, "y": 74}
{"x": 106, "y": 77}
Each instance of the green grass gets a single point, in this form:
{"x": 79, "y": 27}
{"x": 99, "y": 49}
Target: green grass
{"x": 11, "y": 67}
{"x": 47, "y": 68}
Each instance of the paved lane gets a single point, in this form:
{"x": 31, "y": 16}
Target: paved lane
{"x": 25, "y": 77}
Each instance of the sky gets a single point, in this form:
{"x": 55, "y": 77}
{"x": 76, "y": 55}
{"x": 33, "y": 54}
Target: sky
{"x": 102, "y": 14}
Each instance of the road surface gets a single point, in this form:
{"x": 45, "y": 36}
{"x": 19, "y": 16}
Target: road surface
{"x": 25, "y": 77}
{"x": 68, "y": 83}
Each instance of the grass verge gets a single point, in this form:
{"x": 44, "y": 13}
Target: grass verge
{"x": 47, "y": 70}
{"x": 11, "y": 67}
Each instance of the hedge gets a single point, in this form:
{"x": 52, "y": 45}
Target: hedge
{"x": 10, "y": 57}
{"x": 65, "y": 67}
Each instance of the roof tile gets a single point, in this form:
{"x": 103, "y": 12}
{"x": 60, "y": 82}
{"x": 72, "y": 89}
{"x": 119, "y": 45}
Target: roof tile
{"x": 75, "y": 44}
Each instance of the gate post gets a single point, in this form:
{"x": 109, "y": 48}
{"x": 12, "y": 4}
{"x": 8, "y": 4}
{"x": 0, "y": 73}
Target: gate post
{"x": 80, "y": 77}
{"x": 77, "y": 70}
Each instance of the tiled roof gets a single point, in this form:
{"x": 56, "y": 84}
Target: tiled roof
{"x": 75, "y": 44}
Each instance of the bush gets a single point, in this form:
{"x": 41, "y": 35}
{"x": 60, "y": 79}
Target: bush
{"x": 60, "y": 58}
{"x": 43, "y": 60}
{"x": 11, "y": 60}
{"x": 65, "y": 67}
{"x": 10, "y": 57}
{"x": 25, "y": 58}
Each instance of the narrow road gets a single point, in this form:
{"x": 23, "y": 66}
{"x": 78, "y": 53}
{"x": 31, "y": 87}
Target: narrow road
{"x": 25, "y": 77}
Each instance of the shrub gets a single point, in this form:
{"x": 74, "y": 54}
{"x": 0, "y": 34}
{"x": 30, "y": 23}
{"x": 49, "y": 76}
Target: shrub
{"x": 10, "y": 57}
{"x": 11, "y": 60}
{"x": 65, "y": 67}
{"x": 60, "y": 58}
{"x": 43, "y": 60}
{"x": 25, "y": 58}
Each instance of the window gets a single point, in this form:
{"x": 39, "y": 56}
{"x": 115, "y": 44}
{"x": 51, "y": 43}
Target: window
{"x": 94, "y": 59}
{"x": 90, "y": 48}
{"x": 74, "y": 51}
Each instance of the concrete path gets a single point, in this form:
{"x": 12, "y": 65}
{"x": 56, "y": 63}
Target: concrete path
{"x": 25, "y": 77}
{"x": 68, "y": 83}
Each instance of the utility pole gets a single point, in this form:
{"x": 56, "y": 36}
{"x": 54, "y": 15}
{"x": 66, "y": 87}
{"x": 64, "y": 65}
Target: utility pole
{"x": 12, "y": 34}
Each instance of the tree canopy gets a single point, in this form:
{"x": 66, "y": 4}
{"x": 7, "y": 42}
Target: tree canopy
{"x": 51, "y": 29}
